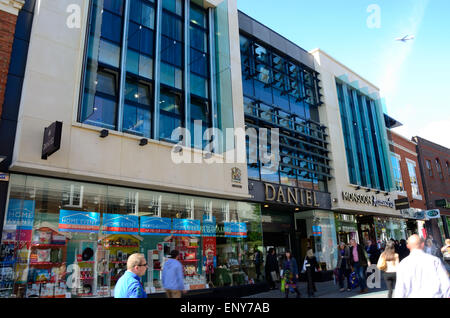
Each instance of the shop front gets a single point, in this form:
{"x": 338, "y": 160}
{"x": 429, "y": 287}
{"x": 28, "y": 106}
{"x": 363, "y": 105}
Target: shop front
{"x": 346, "y": 227}
{"x": 67, "y": 239}
{"x": 296, "y": 219}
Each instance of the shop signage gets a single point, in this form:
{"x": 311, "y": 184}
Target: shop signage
{"x": 367, "y": 199}
{"x": 52, "y": 139}
{"x": 443, "y": 204}
{"x": 78, "y": 221}
{"x": 235, "y": 229}
{"x": 209, "y": 226}
{"x": 20, "y": 213}
{"x": 120, "y": 224}
{"x": 4, "y": 177}
{"x": 186, "y": 227}
{"x": 402, "y": 204}
{"x": 317, "y": 230}
{"x": 432, "y": 214}
{"x": 155, "y": 226}
{"x": 236, "y": 175}
{"x": 296, "y": 197}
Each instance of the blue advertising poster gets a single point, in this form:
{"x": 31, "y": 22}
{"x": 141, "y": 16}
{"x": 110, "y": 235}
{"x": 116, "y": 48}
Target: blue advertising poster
{"x": 186, "y": 227}
{"x": 317, "y": 230}
{"x": 79, "y": 221}
{"x": 235, "y": 229}
{"x": 20, "y": 214}
{"x": 155, "y": 226}
{"x": 120, "y": 224}
{"x": 209, "y": 226}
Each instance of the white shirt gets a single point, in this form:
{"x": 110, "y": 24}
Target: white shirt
{"x": 421, "y": 275}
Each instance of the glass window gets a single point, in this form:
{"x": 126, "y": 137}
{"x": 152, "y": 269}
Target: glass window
{"x": 199, "y": 112}
{"x": 430, "y": 170}
{"x": 197, "y": 16}
{"x": 64, "y": 237}
{"x": 174, "y": 6}
{"x": 398, "y": 181}
{"x": 171, "y": 76}
{"x": 413, "y": 179}
{"x": 171, "y": 116}
{"x": 439, "y": 168}
{"x": 137, "y": 108}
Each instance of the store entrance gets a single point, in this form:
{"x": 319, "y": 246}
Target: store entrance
{"x": 366, "y": 229}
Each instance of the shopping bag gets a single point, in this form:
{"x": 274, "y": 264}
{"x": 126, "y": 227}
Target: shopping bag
{"x": 353, "y": 280}
{"x": 283, "y": 285}
{"x": 274, "y": 276}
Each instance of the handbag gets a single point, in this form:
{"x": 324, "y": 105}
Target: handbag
{"x": 274, "y": 276}
{"x": 353, "y": 280}
{"x": 382, "y": 265}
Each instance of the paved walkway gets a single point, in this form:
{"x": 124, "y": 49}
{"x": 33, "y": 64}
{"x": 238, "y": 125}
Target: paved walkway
{"x": 327, "y": 290}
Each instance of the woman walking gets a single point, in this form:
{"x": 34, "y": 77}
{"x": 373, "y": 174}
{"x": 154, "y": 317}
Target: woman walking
{"x": 290, "y": 274}
{"x": 343, "y": 266}
{"x": 388, "y": 263}
{"x": 311, "y": 266}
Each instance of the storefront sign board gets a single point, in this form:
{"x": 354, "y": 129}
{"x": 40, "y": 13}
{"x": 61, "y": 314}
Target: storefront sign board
{"x": 155, "y": 225}
{"x": 432, "y": 214}
{"x": 186, "y": 227}
{"x": 78, "y": 221}
{"x": 120, "y": 224}
{"x": 235, "y": 229}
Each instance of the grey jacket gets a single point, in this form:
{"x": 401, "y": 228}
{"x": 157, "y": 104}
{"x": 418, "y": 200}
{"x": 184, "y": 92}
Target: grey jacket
{"x": 345, "y": 257}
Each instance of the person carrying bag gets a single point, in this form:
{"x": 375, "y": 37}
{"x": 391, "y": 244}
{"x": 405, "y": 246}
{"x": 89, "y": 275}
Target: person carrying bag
{"x": 388, "y": 263}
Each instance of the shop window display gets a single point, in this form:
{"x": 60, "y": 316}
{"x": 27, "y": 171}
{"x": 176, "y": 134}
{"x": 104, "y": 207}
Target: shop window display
{"x": 72, "y": 239}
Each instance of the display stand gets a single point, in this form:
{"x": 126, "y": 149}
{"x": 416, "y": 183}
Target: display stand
{"x": 47, "y": 264}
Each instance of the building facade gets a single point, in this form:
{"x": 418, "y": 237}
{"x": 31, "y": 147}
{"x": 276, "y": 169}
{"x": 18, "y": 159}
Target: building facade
{"x": 361, "y": 189}
{"x": 408, "y": 182}
{"x": 281, "y": 91}
{"x": 434, "y": 166}
{"x": 99, "y": 167}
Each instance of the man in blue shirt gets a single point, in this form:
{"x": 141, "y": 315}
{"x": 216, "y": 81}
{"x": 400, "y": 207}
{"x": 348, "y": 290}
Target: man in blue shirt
{"x": 129, "y": 285}
{"x": 173, "y": 276}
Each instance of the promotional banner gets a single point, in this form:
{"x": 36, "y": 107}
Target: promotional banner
{"x": 120, "y": 224}
{"x": 155, "y": 226}
{"x": 209, "y": 242}
{"x": 20, "y": 214}
{"x": 234, "y": 229}
{"x": 79, "y": 221}
{"x": 317, "y": 230}
{"x": 186, "y": 227}
{"x": 209, "y": 226}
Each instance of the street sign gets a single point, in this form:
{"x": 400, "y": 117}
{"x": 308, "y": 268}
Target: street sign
{"x": 443, "y": 204}
{"x": 402, "y": 204}
{"x": 432, "y": 214}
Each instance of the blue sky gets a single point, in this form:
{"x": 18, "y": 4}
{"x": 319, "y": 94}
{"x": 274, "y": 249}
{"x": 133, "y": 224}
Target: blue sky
{"x": 413, "y": 77}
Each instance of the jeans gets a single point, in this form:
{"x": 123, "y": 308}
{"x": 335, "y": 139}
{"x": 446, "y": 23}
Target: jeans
{"x": 361, "y": 273}
{"x": 390, "y": 279}
{"x": 343, "y": 273}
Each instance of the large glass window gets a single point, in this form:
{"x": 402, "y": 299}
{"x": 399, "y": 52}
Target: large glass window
{"x": 413, "y": 179}
{"x": 398, "y": 181}
{"x": 171, "y": 113}
{"x": 65, "y": 238}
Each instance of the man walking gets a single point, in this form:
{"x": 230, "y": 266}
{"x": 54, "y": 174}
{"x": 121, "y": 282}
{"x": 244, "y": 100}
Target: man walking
{"x": 173, "y": 276}
{"x": 421, "y": 275}
{"x": 129, "y": 285}
{"x": 358, "y": 259}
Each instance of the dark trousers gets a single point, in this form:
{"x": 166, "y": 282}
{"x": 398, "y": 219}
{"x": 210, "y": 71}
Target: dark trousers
{"x": 310, "y": 280}
{"x": 269, "y": 279}
{"x": 361, "y": 273}
{"x": 390, "y": 279}
{"x": 286, "y": 292}
{"x": 344, "y": 274}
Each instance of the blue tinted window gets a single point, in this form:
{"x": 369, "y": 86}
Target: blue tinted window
{"x": 111, "y": 27}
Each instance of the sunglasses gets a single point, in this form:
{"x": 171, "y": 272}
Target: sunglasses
{"x": 144, "y": 264}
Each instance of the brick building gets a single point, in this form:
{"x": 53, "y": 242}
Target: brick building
{"x": 434, "y": 162}
{"x": 9, "y": 10}
{"x": 407, "y": 179}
